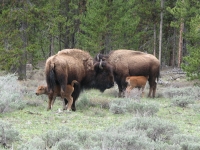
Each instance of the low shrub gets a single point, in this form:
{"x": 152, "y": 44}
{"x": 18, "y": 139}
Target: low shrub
{"x": 11, "y": 97}
{"x": 8, "y": 134}
{"x": 135, "y": 94}
{"x": 66, "y": 145}
{"x": 83, "y": 102}
{"x": 142, "y": 109}
{"x": 196, "y": 108}
{"x": 118, "y": 138}
{"x": 54, "y": 136}
{"x": 187, "y": 142}
{"x": 138, "y": 133}
{"x": 155, "y": 128}
{"x": 35, "y": 144}
{"x": 182, "y": 101}
{"x": 165, "y": 146}
{"x": 186, "y": 91}
{"x": 118, "y": 106}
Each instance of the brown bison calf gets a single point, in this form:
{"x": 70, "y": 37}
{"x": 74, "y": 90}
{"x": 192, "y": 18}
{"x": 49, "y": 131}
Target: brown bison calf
{"x": 56, "y": 93}
{"x": 136, "y": 82}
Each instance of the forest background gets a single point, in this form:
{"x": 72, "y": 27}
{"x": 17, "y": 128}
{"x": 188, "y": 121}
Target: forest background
{"x": 31, "y": 31}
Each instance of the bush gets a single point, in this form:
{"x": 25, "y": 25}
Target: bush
{"x": 118, "y": 106}
{"x": 155, "y": 128}
{"x": 11, "y": 97}
{"x": 66, "y": 145}
{"x": 165, "y": 146}
{"x": 8, "y": 135}
{"x": 142, "y": 109}
{"x": 196, "y": 108}
{"x": 52, "y": 137}
{"x": 187, "y": 142}
{"x": 83, "y": 102}
{"x": 118, "y": 138}
{"x": 34, "y": 144}
{"x": 139, "y": 133}
{"x": 182, "y": 101}
{"x": 186, "y": 91}
{"x": 134, "y": 94}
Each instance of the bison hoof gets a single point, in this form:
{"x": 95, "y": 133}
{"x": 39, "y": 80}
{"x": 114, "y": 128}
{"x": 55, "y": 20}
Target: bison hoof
{"x": 69, "y": 111}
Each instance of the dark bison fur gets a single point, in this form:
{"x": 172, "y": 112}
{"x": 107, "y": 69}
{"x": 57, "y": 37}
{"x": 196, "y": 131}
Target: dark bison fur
{"x": 76, "y": 64}
{"x": 132, "y": 63}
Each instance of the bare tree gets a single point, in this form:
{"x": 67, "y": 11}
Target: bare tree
{"x": 160, "y": 36}
{"x": 180, "y": 46}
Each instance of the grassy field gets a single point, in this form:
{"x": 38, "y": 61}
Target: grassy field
{"x": 34, "y": 120}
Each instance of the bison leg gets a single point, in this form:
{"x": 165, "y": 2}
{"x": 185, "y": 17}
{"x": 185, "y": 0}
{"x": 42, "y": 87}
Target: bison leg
{"x": 120, "y": 94}
{"x": 65, "y": 101}
{"x": 150, "y": 91}
{"x": 142, "y": 91}
{"x": 70, "y": 102}
{"x": 50, "y": 101}
{"x": 73, "y": 107}
{"x": 154, "y": 90}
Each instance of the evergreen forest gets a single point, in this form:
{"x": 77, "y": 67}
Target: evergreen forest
{"x": 31, "y": 31}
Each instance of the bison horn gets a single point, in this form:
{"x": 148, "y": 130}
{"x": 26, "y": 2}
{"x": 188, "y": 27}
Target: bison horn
{"x": 98, "y": 56}
{"x": 100, "y": 64}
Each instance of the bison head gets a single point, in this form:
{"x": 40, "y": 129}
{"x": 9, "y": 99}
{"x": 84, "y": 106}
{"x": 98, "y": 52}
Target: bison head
{"x": 104, "y": 78}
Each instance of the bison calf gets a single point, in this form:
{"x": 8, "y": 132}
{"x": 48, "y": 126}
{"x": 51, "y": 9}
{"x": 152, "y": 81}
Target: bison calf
{"x": 56, "y": 93}
{"x": 136, "y": 82}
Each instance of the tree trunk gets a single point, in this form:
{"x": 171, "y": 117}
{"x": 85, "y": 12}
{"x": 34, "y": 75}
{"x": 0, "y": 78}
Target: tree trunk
{"x": 160, "y": 36}
{"x": 173, "y": 49}
{"x": 180, "y": 46}
{"x": 154, "y": 40}
{"x": 51, "y": 48}
{"x": 23, "y": 57}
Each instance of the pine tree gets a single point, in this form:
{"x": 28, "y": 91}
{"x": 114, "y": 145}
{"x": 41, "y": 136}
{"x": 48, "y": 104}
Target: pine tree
{"x": 192, "y": 62}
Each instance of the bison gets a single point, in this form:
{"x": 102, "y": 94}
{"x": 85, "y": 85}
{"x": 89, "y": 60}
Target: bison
{"x": 132, "y": 63}
{"x": 136, "y": 82}
{"x": 42, "y": 89}
{"x": 76, "y": 64}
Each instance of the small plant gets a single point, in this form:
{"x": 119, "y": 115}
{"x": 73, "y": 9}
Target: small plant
{"x": 118, "y": 106}
{"x": 182, "y": 101}
{"x": 83, "y": 102}
{"x": 35, "y": 144}
{"x": 126, "y": 140}
{"x": 196, "y": 108}
{"x": 155, "y": 128}
{"x": 174, "y": 92}
{"x": 11, "y": 97}
{"x": 8, "y": 135}
{"x": 142, "y": 109}
{"x": 66, "y": 145}
{"x": 135, "y": 94}
{"x": 187, "y": 142}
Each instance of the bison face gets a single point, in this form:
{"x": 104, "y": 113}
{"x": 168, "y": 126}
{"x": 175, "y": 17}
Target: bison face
{"x": 104, "y": 78}
{"x": 41, "y": 90}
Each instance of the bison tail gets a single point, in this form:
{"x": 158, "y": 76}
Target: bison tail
{"x": 74, "y": 82}
{"x": 158, "y": 75}
{"x": 50, "y": 77}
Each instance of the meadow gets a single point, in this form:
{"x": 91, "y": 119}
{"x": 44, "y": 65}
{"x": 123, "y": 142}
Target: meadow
{"x": 102, "y": 121}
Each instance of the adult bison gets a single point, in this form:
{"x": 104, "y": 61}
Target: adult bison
{"x": 75, "y": 64}
{"x": 132, "y": 63}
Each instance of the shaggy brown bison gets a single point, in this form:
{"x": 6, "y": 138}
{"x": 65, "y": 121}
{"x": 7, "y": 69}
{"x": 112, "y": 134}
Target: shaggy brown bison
{"x": 132, "y": 63}
{"x": 136, "y": 82}
{"x": 75, "y": 64}
{"x": 42, "y": 89}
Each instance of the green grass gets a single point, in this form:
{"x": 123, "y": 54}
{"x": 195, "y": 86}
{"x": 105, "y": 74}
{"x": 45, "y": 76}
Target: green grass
{"x": 186, "y": 119}
{"x": 35, "y": 121}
